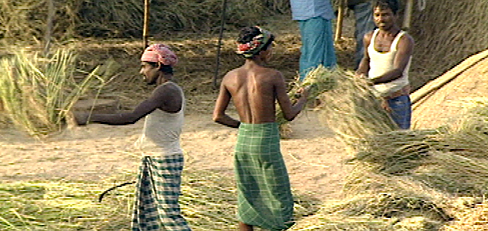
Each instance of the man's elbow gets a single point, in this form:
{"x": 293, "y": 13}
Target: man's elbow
{"x": 289, "y": 117}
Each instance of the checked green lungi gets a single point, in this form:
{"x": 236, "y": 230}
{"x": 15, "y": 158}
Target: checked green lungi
{"x": 158, "y": 190}
{"x": 263, "y": 186}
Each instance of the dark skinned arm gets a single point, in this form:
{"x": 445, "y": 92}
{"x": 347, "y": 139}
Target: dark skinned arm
{"x": 363, "y": 67}
{"x": 221, "y": 105}
{"x": 156, "y": 100}
{"x": 290, "y": 111}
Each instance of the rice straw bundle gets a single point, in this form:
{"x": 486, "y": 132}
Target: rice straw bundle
{"x": 352, "y": 110}
{"x": 396, "y": 152}
{"x": 317, "y": 81}
{"x": 38, "y": 93}
{"x": 454, "y": 174}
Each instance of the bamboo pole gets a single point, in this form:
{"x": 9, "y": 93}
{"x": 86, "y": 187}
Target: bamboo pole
{"x": 49, "y": 27}
{"x": 407, "y": 18}
{"x": 145, "y": 30}
{"x": 340, "y": 20}
{"x": 418, "y": 96}
{"x": 222, "y": 23}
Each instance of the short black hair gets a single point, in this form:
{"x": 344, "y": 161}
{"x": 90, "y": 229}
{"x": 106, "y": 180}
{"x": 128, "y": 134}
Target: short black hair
{"x": 167, "y": 69}
{"x": 248, "y": 33}
{"x": 393, "y": 5}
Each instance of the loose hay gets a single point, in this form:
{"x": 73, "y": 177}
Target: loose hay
{"x": 208, "y": 202}
{"x": 317, "y": 81}
{"x": 352, "y": 110}
{"x": 38, "y": 92}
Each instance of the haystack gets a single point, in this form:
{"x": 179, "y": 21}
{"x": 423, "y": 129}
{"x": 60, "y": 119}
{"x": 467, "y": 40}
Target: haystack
{"x": 446, "y": 32}
{"x": 440, "y": 101}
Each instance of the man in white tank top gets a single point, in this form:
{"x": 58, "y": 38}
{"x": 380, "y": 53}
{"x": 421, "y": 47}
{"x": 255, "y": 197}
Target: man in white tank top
{"x": 386, "y": 62}
{"x": 159, "y": 180}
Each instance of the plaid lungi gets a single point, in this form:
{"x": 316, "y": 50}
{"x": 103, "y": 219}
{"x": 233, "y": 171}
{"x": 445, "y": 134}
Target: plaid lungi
{"x": 263, "y": 186}
{"x": 157, "y": 192}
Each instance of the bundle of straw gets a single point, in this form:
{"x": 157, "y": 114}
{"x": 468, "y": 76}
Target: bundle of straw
{"x": 317, "y": 81}
{"x": 353, "y": 110}
{"x": 37, "y": 92}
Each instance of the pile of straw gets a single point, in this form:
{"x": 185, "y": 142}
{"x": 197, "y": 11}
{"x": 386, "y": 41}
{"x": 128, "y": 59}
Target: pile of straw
{"x": 208, "y": 202}
{"x": 26, "y": 19}
{"x": 445, "y": 33}
{"x": 403, "y": 179}
{"x": 38, "y": 92}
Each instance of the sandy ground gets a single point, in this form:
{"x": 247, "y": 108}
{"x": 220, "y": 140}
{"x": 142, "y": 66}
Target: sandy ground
{"x": 315, "y": 159}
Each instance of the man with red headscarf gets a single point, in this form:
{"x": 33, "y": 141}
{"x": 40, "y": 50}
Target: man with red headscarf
{"x": 159, "y": 180}
{"x": 263, "y": 187}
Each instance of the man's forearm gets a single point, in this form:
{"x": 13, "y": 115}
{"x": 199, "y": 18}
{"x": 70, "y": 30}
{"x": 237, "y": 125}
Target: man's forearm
{"x": 228, "y": 121}
{"x": 113, "y": 119}
{"x": 388, "y": 77}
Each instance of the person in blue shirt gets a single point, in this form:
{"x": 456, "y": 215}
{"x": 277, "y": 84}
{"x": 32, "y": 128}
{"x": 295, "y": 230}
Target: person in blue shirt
{"x": 314, "y": 18}
{"x": 363, "y": 15}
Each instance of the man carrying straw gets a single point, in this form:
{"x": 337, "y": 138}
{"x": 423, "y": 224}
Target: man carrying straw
{"x": 159, "y": 180}
{"x": 386, "y": 62}
{"x": 263, "y": 187}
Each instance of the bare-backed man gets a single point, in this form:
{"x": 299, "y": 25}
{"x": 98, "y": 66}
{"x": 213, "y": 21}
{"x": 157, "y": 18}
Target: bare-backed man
{"x": 263, "y": 186}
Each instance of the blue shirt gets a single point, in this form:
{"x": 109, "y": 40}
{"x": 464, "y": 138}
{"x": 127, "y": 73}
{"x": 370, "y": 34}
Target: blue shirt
{"x": 306, "y": 9}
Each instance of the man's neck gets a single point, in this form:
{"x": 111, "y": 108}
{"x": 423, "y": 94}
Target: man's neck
{"x": 164, "y": 78}
{"x": 393, "y": 31}
{"x": 254, "y": 62}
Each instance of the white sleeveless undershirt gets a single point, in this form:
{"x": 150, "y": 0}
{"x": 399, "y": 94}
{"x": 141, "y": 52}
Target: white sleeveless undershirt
{"x": 382, "y": 62}
{"x": 161, "y": 132}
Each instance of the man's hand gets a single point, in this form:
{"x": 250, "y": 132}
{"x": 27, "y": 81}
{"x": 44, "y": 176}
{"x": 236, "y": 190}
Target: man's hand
{"x": 384, "y": 105}
{"x": 303, "y": 92}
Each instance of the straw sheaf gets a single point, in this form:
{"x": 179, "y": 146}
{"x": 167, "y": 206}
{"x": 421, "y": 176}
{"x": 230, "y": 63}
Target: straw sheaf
{"x": 352, "y": 109}
{"x": 317, "y": 81}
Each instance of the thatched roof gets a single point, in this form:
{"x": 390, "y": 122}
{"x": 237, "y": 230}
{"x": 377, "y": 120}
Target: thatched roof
{"x": 440, "y": 101}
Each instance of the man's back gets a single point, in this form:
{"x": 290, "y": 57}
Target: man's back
{"x": 253, "y": 89}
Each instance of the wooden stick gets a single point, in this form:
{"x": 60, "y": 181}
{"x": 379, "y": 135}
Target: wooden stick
{"x": 340, "y": 20}
{"x": 222, "y": 23}
{"x": 49, "y": 27}
{"x": 407, "y": 17}
{"x": 436, "y": 84}
{"x": 145, "y": 30}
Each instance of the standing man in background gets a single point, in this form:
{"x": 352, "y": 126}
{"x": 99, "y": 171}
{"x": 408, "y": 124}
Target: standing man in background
{"x": 363, "y": 15}
{"x": 314, "y": 18}
{"x": 386, "y": 61}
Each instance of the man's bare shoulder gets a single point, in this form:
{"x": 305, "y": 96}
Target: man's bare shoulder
{"x": 407, "y": 38}
{"x": 368, "y": 36}
{"x": 231, "y": 74}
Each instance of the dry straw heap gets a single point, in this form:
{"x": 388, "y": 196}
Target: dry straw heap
{"x": 26, "y": 19}
{"x": 446, "y": 32}
{"x": 38, "y": 92}
{"x": 431, "y": 179}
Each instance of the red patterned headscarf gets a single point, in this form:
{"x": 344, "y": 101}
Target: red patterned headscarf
{"x": 159, "y": 53}
{"x": 256, "y": 44}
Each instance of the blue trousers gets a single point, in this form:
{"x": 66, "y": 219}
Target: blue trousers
{"x": 317, "y": 45}
{"x": 401, "y": 111}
